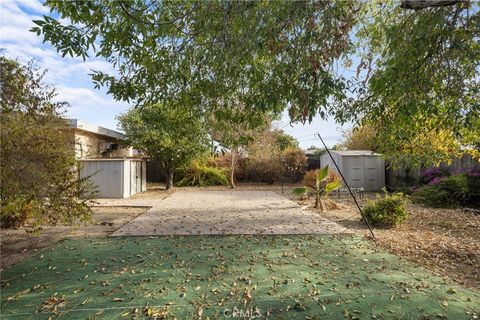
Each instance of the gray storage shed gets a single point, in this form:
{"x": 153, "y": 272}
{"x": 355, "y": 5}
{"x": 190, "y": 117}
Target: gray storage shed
{"x": 361, "y": 168}
{"x": 115, "y": 178}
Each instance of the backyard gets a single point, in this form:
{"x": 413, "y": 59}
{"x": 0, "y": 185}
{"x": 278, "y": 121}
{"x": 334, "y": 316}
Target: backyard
{"x": 333, "y": 274}
{"x": 240, "y": 159}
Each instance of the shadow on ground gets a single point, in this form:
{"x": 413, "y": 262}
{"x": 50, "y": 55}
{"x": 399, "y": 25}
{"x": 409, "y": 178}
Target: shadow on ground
{"x": 276, "y": 277}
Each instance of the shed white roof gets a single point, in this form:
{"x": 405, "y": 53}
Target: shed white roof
{"x": 355, "y": 152}
{"x": 77, "y": 124}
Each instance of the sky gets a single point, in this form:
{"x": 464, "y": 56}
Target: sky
{"x": 71, "y": 76}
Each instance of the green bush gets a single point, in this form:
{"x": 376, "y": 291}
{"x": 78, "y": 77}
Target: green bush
{"x": 199, "y": 174}
{"x": 473, "y": 183}
{"x": 38, "y": 176}
{"x": 405, "y": 190}
{"x": 15, "y": 212}
{"x": 453, "y": 191}
{"x": 387, "y": 212}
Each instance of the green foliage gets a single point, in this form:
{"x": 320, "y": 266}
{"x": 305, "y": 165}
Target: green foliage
{"x": 174, "y": 135}
{"x": 322, "y": 188}
{"x": 359, "y": 138}
{"x": 388, "y": 211}
{"x": 422, "y": 87}
{"x": 284, "y": 141}
{"x": 199, "y": 174}
{"x": 301, "y": 191}
{"x": 318, "y": 152}
{"x": 405, "y": 190}
{"x": 277, "y": 53}
{"x": 453, "y": 191}
{"x": 39, "y": 183}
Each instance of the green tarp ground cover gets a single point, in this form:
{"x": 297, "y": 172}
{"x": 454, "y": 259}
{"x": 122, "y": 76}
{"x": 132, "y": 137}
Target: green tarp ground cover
{"x": 275, "y": 277}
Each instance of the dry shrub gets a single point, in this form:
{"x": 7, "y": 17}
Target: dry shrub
{"x": 264, "y": 170}
{"x": 295, "y": 163}
{"x": 332, "y": 205}
{"x": 224, "y": 163}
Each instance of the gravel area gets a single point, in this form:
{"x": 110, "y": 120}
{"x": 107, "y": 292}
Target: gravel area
{"x": 223, "y": 212}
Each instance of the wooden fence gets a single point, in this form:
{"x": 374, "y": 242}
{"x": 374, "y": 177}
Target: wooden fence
{"x": 155, "y": 173}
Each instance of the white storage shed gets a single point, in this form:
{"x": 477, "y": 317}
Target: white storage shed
{"x": 115, "y": 178}
{"x": 361, "y": 168}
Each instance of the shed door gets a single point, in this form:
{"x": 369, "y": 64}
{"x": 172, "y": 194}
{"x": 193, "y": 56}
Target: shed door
{"x": 371, "y": 173}
{"x": 138, "y": 176}
{"x": 354, "y": 166}
{"x": 135, "y": 177}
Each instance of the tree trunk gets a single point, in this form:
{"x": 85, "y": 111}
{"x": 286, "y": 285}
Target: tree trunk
{"x": 232, "y": 169}
{"x": 322, "y": 206}
{"x": 170, "y": 171}
{"x": 319, "y": 204}
{"x": 317, "y": 201}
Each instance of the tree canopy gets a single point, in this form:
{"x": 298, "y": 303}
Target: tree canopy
{"x": 284, "y": 140}
{"x": 173, "y": 135}
{"x": 417, "y": 70}
{"x": 420, "y": 80}
{"x": 277, "y": 53}
{"x": 359, "y": 138}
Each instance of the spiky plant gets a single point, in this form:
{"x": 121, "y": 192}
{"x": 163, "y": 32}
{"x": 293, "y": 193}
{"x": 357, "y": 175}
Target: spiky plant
{"x": 321, "y": 190}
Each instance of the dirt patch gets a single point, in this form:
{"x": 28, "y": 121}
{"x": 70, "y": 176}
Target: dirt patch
{"x": 443, "y": 240}
{"x": 16, "y": 244}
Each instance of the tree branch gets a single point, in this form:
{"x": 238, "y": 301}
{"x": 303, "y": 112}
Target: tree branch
{"x": 424, "y": 4}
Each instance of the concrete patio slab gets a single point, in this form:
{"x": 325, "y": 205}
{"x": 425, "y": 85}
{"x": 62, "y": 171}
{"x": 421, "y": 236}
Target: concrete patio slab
{"x": 222, "y": 213}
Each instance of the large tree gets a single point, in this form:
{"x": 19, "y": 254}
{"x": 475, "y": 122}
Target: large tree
{"x": 38, "y": 177}
{"x": 420, "y": 66}
{"x": 418, "y": 79}
{"x": 277, "y": 53}
{"x": 173, "y": 135}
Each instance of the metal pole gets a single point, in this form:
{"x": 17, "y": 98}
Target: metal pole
{"x": 348, "y": 187}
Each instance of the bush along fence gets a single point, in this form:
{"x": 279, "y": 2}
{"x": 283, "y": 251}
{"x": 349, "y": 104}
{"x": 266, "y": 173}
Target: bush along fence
{"x": 400, "y": 178}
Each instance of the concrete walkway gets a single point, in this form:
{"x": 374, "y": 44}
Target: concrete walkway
{"x": 220, "y": 213}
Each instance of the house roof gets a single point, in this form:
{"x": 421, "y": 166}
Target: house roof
{"x": 81, "y": 125}
{"x": 355, "y": 152}
{"x": 309, "y": 152}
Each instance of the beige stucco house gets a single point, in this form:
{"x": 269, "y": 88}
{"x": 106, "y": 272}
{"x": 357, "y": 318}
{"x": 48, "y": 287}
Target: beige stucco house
{"x": 93, "y": 141}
